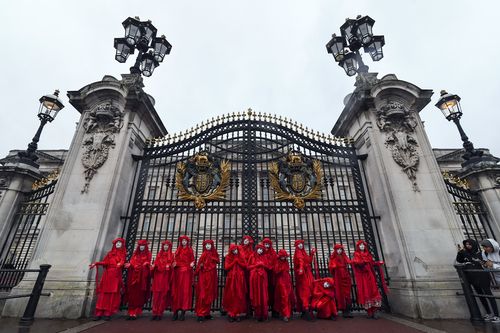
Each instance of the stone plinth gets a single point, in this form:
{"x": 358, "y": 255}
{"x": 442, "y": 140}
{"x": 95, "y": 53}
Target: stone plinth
{"x": 418, "y": 227}
{"x": 92, "y": 193}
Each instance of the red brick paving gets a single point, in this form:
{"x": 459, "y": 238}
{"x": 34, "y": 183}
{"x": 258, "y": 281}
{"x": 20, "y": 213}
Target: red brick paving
{"x": 358, "y": 324}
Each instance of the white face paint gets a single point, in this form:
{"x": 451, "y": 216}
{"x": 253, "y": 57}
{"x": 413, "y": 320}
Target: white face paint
{"x": 300, "y": 246}
{"x": 259, "y": 251}
{"x": 362, "y": 247}
{"x": 235, "y": 251}
{"x": 246, "y": 241}
{"x": 165, "y": 247}
{"x": 267, "y": 245}
{"x": 184, "y": 242}
{"x": 339, "y": 251}
{"x": 208, "y": 246}
{"x": 118, "y": 245}
{"x": 142, "y": 247}
{"x": 326, "y": 285}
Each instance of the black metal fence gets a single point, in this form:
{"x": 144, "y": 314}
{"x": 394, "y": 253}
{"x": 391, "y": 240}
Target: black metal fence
{"x": 470, "y": 295}
{"x": 29, "y": 313}
{"x": 250, "y": 143}
{"x": 17, "y": 249}
{"x": 468, "y": 206}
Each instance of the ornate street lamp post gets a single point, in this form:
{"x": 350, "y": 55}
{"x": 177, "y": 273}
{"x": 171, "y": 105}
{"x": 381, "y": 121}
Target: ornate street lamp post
{"x": 50, "y": 105}
{"x": 450, "y": 107}
{"x": 141, "y": 36}
{"x": 355, "y": 34}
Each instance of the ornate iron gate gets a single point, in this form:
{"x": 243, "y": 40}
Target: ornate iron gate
{"x": 253, "y": 145}
{"x": 468, "y": 206}
{"x": 22, "y": 237}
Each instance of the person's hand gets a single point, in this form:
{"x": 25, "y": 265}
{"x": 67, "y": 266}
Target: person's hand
{"x": 191, "y": 264}
{"x": 167, "y": 266}
{"x": 118, "y": 264}
{"x": 92, "y": 265}
{"x": 145, "y": 264}
{"x": 489, "y": 264}
{"x": 174, "y": 264}
{"x": 313, "y": 251}
{"x": 127, "y": 265}
{"x": 301, "y": 272}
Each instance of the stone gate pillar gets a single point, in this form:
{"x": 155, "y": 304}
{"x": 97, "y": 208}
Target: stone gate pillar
{"x": 92, "y": 192}
{"x": 418, "y": 227}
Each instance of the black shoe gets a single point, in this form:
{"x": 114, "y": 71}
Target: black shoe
{"x": 231, "y": 319}
{"x": 158, "y": 318}
{"x": 96, "y": 318}
{"x": 182, "y": 316}
{"x": 308, "y": 316}
{"x": 133, "y": 317}
{"x": 153, "y": 318}
{"x": 107, "y": 318}
{"x": 238, "y": 319}
{"x": 209, "y": 317}
{"x": 347, "y": 315}
{"x": 275, "y": 314}
{"x": 260, "y": 319}
{"x": 334, "y": 318}
{"x": 129, "y": 317}
{"x": 176, "y": 316}
{"x": 199, "y": 319}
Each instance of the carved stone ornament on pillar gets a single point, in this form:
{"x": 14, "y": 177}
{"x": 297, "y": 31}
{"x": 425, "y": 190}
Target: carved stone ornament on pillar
{"x": 101, "y": 125}
{"x": 395, "y": 120}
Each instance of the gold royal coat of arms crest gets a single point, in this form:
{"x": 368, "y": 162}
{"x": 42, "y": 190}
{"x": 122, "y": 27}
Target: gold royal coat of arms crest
{"x": 296, "y": 178}
{"x": 202, "y": 178}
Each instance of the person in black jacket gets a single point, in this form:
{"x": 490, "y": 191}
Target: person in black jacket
{"x": 480, "y": 281}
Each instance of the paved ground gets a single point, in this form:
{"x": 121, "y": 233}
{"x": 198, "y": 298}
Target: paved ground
{"x": 359, "y": 324}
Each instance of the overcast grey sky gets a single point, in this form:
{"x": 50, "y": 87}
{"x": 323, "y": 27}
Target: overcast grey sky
{"x": 268, "y": 55}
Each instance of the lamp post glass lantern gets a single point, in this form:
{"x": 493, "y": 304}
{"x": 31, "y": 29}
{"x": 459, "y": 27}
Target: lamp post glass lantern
{"x": 50, "y": 105}
{"x": 141, "y": 35}
{"x": 356, "y": 34}
{"x": 449, "y": 104}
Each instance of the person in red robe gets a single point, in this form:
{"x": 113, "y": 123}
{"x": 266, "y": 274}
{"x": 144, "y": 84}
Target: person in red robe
{"x": 163, "y": 271}
{"x": 302, "y": 266}
{"x": 259, "y": 290}
{"x": 234, "y": 299}
{"x": 206, "y": 287}
{"x": 110, "y": 287}
{"x": 363, "y": 266}
{"x": 138, "y": 279}
{"x": 284, "y": 298}
{"x": 271, "y": 257}
{"x": 247, "y": 250}
{"x": 323, "y": 300}
{"x": 183, "y": 278}
{"x": 338, "y": 267}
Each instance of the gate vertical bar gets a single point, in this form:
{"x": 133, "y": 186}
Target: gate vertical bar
{"x": 249, "y": 180}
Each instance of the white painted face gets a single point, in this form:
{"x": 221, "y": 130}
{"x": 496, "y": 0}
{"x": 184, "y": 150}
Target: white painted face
{"x": 267, "y": 245}
{"x": 259, "y": 251}
{"x": 208, "y": 246}
{"x": 300, "y": 246}
{"x": 362, "y": 247}
{"x": 165, "y": 247}
{"x": 326, "y": 285}
{"x": 235, "y": 251}
{"x": 339, "y": 251}
{"x": 184, "y": 242}
{"x": 142, "y": 247}
{"x": 246, "y": 241}
{"x": 118, "y": 245}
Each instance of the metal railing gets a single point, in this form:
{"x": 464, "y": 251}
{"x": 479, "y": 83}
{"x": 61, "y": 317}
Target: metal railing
{"x": 29, "y": 313}
{"x": 469, "y": 294}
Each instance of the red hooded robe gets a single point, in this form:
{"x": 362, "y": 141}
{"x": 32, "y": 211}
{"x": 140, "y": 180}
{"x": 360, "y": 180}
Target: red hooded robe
{"x": 338, "y": 267}
{"x": 324, "y": 298}
{"x": 111, "y": 284}
{"x": 247, "y": 252}
{"x": 284, "y": 298}
{"x": 234, "y": 300}
{"x": 366, "y": 283}
{"x": 206, "y": 288}
{"x": 162, "y": 279}
{"x": 302, "y": 265}
{"x": 138, "y": 277}
{"x": 271, "y": 257}
{"x": 259, "y": 297}
{"x": 183, "y": 276}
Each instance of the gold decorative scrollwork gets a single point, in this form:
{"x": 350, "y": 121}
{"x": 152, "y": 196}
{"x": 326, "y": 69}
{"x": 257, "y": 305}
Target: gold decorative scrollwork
{"x": 460, "y": 182}
{"x": 46, "y": 180}
{"x": 296, "y": 178}
{"x": 202, "y": 178}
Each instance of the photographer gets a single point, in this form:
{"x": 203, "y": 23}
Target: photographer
{"x": 480, "y": 281}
